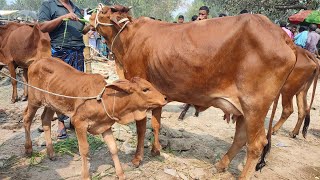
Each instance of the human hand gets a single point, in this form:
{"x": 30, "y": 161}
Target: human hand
{"x": 71, "y": 16}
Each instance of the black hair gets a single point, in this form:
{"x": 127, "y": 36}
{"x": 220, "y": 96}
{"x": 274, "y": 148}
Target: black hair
{"x": 244, "y": 11}
{"x": 152, "y": 18}
{"x": 181, "y": 17}
{"x": 283, "y": 24}
{"x": 204, "y": 8}
{"x": 194, "y": 17}
{"x": 174, "y": 21}
{"x": 159, "y": 19}
{"x": 302, "y": 28}
{"x": 222, "y": 15}
{"x": 313, "y": 27}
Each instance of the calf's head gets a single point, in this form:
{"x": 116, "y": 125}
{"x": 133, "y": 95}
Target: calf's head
{"x": 136, "y": 97}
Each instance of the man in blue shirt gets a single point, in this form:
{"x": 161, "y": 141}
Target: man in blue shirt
{"x": 60, "y": 18}
{"x": 301, "y": 38}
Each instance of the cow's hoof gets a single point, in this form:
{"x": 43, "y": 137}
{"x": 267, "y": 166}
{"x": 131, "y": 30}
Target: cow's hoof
{"x": 292, "y": 135}
{"x": 28, "y": 152}
{"x": 121, "y": 177}
{"x": 135, "y": 162}
{"x": 52, "y": 158}
{"x": 155, "y": 152}
{"x": 274, "y": 132}
{"x": 24, "y": 98}
{"x": 216, "y": 169}
{"x": 14, "y": 100}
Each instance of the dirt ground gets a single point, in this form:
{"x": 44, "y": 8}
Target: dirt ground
{"x": 190, "y": 147}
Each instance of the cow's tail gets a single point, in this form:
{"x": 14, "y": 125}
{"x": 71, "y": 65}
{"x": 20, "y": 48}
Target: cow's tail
{"x": 307, "y": 118}
{"x": 267, "y": 147}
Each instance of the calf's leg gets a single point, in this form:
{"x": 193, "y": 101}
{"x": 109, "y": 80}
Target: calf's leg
{"x": 141, "y": 131}
{"x": 239, "y": 141}
{"x": 156, "y": 124}
{"x": 46, "y": 117}
{"x": 25, "y": 80}
{"x": 12, "y": 70}
{"x": 109, "y": 139}
{"x": 81, "y": 131}
{"x": 28, "y": 116}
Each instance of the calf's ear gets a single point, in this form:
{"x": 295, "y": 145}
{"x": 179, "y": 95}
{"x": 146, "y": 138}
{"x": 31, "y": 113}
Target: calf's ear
{"x": 122, "y": 86}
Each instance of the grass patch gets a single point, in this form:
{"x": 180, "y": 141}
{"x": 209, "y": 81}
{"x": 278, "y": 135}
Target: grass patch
{"x": 70, "y": 145}
{"x": 36, "y": 158}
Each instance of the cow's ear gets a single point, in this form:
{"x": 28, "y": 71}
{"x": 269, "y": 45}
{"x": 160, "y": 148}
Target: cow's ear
{"x": 122, "y": 86}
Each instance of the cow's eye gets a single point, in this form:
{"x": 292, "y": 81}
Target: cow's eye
{"x": 146, "y": 90}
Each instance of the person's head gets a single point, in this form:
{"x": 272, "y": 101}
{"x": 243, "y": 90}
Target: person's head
{"x": 203, "y": 12}
{"x": 244, "y": 11}
{"x": 222, "y": 15}
{"x": 294, "y": 28}
{"x": 302, "y": 28}
{"x": 283, "y": 24}
{"x": 174, "y": 22}
{"x": 152, "y": 18}
{"x": 194, "y": 17}
{"x": 312, "y": 27}
{"x": 82, "y": 12}
{"x": 159, "y": 19}
{"x": 181, "y": 19}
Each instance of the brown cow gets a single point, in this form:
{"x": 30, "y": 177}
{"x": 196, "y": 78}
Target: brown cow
{"x": 121, "y": 102}
{"x": 20, "y": 45}
{"x": 305, "y": 72}
{"x": 232, "y": 67}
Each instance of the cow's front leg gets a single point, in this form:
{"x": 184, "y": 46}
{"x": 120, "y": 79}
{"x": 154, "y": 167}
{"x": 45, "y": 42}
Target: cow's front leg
{"x": 12, "y": 70}
{"x": 239, "y": 141}
{"x": 156, "y": 124}
{"x": 141, "y": 131}
{"x": 109, "y": 139}
{"x": 81, "y": 131}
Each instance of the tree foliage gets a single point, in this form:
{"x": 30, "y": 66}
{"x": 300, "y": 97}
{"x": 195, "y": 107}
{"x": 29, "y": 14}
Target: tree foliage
{"x": 161, "y": 9}
{"x": 274, "y": 9}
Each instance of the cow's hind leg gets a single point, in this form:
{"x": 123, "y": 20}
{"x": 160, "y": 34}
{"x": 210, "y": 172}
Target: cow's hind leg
{"x": 109, "y": 139}
{"x": 12, "y": 70}
{"x": 239, "y": 141}
{"x": 25, "y": 80}
{"x": 287, "y": 110}
{"x": 302, "y": 109}
{"x": 256, "y": 141}
{"x": 29, "y": 113}
{"x": 46, "y": 117}
{"x": 141, "y": 131}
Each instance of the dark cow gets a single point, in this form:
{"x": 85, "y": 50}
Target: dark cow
{"x": 20, "y": 45}
{"x": 121, "y": 102}
{"x": 232, "y": 67}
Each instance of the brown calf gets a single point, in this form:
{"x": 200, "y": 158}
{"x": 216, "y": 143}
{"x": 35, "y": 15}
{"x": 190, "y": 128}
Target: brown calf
{"x": 121, "y": 102}
{"x": 20, "y": 45}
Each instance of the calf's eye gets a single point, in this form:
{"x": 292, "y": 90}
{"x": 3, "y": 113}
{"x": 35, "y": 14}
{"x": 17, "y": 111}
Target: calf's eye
{"x": 146, "y": 90}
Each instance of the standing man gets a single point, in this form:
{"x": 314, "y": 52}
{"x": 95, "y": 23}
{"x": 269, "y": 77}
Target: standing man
{"x": 180, "y": 19}
{"x": 60, "y": 18}
{"x": 313, "y": 39}
{"x": 203, "y": 13}
{"x": 283, "y": 26}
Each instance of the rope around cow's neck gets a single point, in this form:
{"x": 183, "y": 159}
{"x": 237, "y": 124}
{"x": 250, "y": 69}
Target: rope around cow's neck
{"x": 98, "y": 97}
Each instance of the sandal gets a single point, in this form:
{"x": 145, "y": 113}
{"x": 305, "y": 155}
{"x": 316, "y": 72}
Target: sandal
{"x": 62, "y": 134}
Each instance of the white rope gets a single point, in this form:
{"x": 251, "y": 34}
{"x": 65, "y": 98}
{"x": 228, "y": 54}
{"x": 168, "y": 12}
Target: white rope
{"x": 98, "y": 97}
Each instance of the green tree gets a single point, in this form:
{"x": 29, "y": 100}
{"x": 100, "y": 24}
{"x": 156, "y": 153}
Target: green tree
{"x": 3, "y": 4}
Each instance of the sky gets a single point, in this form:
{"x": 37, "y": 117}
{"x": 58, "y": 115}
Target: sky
{"x": 182, "y": 9}
{"x": 9, "y": 1}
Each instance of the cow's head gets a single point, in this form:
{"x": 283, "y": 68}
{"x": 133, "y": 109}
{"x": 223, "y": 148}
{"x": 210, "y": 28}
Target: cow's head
{"x": 108, "y": 17}
{"x": 138, "y": 96}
